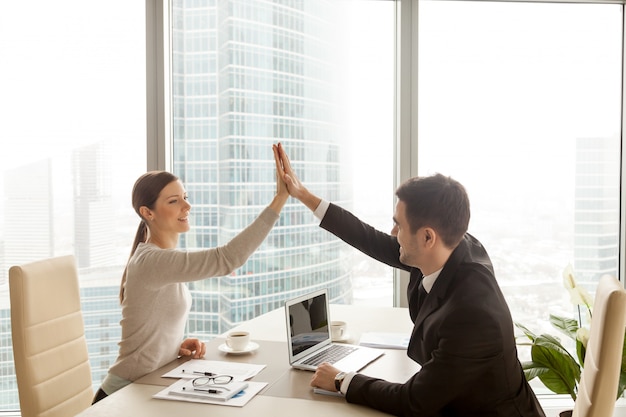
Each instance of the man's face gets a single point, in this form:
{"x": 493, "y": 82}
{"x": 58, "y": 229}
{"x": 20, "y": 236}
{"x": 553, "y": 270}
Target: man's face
{"x": 410, "y": 253}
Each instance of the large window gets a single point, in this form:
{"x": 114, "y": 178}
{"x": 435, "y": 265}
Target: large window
{"x": 317, "y": 76}
{"x": 521, "y": 102}
{"x": 72, "y": 142}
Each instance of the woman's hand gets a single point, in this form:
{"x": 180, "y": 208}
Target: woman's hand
{"x": 193, "y": 347}
{"x": 282, "y": 193}
{"x": 289, "y": 177}
{"x": 281, "y": 187}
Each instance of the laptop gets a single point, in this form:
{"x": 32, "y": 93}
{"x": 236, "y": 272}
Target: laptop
{"x": 309, "y": 341}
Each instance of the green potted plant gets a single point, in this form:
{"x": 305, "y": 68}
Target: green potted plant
{"x": 557, "y": 368}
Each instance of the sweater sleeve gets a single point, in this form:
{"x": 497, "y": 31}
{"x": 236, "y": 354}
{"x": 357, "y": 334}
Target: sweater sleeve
{"x": 173, "y": 265}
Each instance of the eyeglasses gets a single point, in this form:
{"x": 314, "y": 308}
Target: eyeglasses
{"x": 216, "y": 380}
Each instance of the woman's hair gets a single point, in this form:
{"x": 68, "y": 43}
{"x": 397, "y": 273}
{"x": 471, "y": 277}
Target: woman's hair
{"x": 145, "y": 193}
{"x": 439, "y": 202}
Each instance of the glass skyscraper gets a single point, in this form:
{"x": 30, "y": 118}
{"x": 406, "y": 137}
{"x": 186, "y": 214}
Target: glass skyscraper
{"x": 247, "y": 75}
{"x": 596, "y": 222}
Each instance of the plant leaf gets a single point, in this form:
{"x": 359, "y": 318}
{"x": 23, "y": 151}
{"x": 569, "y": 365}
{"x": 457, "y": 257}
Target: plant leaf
{"x": 624, "y": 356}
{"x": 533, "y": 370}
{"x": 563, "y": 372}
{"x": 622, "y": 384}
{"x": 526, "y": 331}
{"x": 580, "y": 352}
{"x": 567, "y": 326}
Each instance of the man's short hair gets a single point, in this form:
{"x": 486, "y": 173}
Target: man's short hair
{"x": 439, "y": 202}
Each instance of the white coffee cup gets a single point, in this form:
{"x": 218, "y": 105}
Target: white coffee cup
{"x": 237, "y": 340}
{"x": 338, "y": 330}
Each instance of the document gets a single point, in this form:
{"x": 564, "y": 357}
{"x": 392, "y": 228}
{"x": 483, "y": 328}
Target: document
{"x": 238, "y": 400}
{"x": 222, "y": 392}
{"x": 385, "y": 340}
{"x": 200, "y": 367}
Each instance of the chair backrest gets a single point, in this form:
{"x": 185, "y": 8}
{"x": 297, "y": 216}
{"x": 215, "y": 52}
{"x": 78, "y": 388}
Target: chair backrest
{"x": 49, "y": 345}
{"x": 597, "y": 391}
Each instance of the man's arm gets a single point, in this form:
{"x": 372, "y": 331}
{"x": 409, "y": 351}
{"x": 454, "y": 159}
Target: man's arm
{"x": 360, "y": 235}
{"x": 343, "y": 224}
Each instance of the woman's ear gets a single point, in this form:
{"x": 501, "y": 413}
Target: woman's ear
{"x": 145, "y": 212}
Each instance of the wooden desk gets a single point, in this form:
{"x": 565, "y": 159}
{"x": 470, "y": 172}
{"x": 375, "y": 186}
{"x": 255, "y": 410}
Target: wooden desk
{"x": 288, "y": 390}
{"x": 135, "y": 401}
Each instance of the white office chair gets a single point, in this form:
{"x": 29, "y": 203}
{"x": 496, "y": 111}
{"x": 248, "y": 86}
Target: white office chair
{"x": 597, "y": 390}
{"x": 49, "y": 345}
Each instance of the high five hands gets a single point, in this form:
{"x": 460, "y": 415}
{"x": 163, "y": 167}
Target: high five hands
{"x": 294, "y": 186}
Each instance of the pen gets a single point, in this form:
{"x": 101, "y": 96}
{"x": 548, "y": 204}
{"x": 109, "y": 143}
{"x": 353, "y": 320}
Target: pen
{"x": 209, "y": 391}
{"x": 202, "y": 373}
{"x": 213, "y": 391}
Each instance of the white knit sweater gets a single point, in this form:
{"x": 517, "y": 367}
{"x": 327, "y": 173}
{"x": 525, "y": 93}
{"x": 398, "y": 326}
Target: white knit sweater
{"x": 157, "y": 301}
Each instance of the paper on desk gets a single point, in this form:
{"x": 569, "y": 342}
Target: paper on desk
{"x": 221, "y": 392}
{"x": 237, "y": 401}
{"x": 239, "y": 371}
{"x": 326, "y": 392}
{"x": 385, "y": 340}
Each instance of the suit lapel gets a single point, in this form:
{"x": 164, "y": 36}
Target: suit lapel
{"x": 437, "y": 294}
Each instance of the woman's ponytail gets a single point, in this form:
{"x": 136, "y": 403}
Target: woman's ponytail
{"x": 140, "y": 237}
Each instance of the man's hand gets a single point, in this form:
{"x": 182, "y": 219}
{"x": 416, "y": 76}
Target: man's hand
{"x": 294, "y": 186}
{"x": 324, "y": 377}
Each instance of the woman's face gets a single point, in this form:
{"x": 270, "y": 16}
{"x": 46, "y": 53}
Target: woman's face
{"x": 171, "y": 210}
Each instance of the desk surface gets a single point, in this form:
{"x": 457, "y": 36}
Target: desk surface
{"x": 288, "y": 390}
{"x": 135, "y": 401}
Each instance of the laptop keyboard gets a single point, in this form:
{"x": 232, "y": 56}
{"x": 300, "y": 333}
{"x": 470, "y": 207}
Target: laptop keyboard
{"x": 331, "y": 355}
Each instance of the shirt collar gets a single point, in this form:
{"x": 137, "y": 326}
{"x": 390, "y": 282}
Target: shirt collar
{"x": 429, "y": 280}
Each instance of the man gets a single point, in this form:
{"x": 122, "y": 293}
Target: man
{"x": 463, "y": 335}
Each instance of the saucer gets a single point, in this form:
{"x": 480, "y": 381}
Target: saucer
{"x": 249, "y": 349}
{"x": 342, "y": 339}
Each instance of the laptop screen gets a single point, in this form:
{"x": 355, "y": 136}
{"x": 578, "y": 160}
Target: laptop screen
{"x": 307, "y": 321}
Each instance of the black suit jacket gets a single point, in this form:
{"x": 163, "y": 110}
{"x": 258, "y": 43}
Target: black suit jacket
{"x": 463, "y": 336}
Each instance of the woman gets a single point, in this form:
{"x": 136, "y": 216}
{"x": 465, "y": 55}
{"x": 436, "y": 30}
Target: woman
{"x": 155, "y": 300}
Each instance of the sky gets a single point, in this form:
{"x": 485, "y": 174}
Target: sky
{"x": 43, "y": 74}
{"x": 71, "y": 81}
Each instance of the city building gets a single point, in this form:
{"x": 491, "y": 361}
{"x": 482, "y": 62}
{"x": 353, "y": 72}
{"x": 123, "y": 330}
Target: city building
{"x": 597, "y": 204}
{"x": 224, "y": 127}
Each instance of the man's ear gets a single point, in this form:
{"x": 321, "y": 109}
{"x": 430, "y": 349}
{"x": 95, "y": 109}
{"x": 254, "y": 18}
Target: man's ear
{"x": 430, "y": 237}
